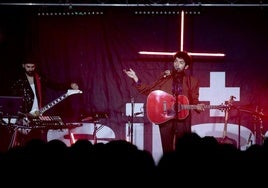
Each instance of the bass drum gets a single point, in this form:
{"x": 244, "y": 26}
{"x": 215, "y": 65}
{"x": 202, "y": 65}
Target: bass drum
{"x": 247, "y": 138}
{"x": 102, "y": 134}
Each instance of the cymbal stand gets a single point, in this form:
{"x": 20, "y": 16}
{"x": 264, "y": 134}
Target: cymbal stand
{"x": 13, "y": 141}
{"x": 13, "y": 138}
{"x": 257, "y": 119}
{"x": 95, "y": 130}
{"x": 128, "y": 129}
{"x": 226, "y": 117}
{"x": 132, "y": 120}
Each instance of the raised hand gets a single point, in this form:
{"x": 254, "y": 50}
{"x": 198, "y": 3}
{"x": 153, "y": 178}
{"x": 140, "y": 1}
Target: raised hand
{"x": 131, "y": 73}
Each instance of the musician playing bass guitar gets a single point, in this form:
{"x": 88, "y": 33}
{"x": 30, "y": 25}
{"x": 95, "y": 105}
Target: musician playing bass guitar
{"x": 165, "y": 95}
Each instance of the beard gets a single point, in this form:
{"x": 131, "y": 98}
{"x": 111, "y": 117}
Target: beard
{"x": 177, "y": 75}
{"x": 30, "y": 73}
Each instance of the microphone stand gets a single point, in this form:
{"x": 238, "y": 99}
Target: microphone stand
{"x": 257, "y": 117}
{"x": 239, "y": 130}
{"x": 176, "y": 83}
{"x": 176, "y": 95}
{"x": 130, "y": 132}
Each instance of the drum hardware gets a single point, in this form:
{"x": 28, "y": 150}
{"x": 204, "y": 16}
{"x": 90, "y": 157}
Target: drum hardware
{"x": 257, "y": 116}
{"x": 257, "y": 120}
{"x": 131, "y": 122}
{"x": 249, "y": 141}
{"x": 95, "y": 119}
{"x": 225, "y": 139}
{"x": 9, "y": 120}
{"x": 27, "y": 124}
{"x": 76, "y": 136}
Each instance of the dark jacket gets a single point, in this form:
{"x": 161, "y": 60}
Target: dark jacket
{"x": 21, "y": 87}
{"x": 190, "y": 87}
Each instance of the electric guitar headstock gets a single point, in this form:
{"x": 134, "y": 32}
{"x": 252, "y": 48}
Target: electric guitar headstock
{"x": 73, "y": 91}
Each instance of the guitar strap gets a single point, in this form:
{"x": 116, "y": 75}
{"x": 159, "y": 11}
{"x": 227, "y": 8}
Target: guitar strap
{"x": 188, "y": 82}
{"x": 189, "y": 85}
{"x": 39, "y": 89}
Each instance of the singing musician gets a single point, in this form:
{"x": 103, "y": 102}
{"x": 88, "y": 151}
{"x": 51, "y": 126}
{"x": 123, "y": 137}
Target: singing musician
{"x": 175, "y": 82}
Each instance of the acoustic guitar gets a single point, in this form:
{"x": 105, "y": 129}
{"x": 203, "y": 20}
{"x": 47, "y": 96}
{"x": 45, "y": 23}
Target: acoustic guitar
{"x": 160, "y": 107}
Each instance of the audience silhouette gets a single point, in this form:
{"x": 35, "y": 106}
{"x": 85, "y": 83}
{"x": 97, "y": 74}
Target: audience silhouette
{"x": 201, "y": 159}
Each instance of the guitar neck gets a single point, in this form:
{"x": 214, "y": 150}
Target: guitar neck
{"x": 194, "y": 107}
{"x": 53, "y": 103}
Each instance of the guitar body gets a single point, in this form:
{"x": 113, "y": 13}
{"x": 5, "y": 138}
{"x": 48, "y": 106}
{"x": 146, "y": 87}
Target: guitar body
{"x": 160, "y": 107}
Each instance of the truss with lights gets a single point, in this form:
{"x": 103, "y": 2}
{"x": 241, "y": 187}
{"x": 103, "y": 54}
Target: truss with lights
{"x": 140, "y": 3}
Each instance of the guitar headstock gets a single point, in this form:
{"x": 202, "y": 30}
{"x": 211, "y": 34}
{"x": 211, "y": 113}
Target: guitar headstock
{"x": 229, "y": 103}
{"x": 73, "y": 91}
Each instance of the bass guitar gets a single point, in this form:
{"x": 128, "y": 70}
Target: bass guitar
{"x": 160, "y": 107}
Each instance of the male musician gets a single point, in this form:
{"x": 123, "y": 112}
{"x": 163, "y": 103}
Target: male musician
{"x": 30, "y": 85}
{"x": 175, "y": 82}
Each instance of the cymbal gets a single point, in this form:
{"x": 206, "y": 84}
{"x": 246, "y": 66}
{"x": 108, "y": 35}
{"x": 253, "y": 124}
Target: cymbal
{"x": 259, "y": 114}
{"x": 100, "y": 115}
{"x": 87, "y": 119}
{"x": 95, "y": 116}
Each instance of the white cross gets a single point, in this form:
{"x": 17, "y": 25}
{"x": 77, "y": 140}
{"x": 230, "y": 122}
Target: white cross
{"x": 218, "y": 93}
{"x": 181, "y": 46}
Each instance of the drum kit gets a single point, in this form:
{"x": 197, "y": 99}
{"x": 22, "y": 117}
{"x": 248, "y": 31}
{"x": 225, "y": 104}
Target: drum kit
{"x": 92, "y": 129}
{"x": 95, "y": 119}
{"x": 257, "y": 117}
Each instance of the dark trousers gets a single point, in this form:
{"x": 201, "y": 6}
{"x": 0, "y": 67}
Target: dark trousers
{"x": 171, "y": 130}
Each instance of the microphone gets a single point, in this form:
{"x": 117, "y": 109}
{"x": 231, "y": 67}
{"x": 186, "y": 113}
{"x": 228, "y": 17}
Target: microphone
{"x": 138, "y": 113}
{"x": 233, "y": 97}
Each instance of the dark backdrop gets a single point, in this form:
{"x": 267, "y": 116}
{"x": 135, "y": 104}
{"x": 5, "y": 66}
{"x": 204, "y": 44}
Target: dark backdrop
{"x": 93, "y": 45}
